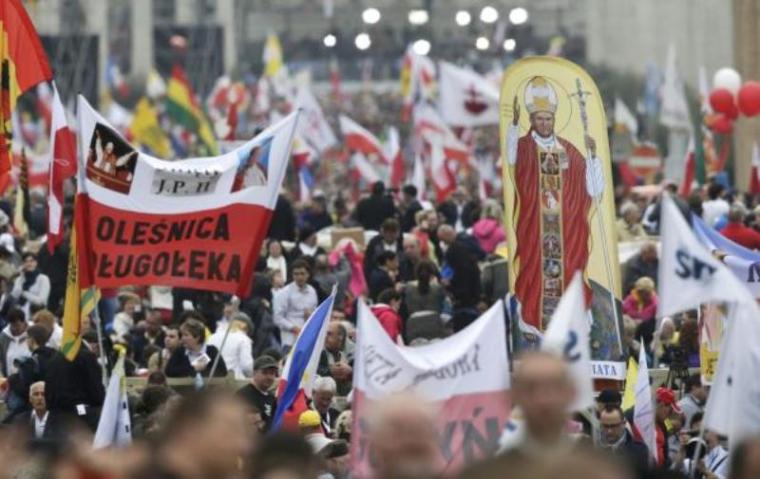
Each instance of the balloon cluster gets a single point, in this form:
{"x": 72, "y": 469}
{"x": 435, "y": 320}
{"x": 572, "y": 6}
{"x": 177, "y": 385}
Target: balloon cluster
{"x": 729, "y": 98}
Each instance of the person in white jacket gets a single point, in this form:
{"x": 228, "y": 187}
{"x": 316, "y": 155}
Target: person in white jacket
{"x": 31, "y": 288}
{"x": 238, "y": 348}
{"x": 293, "y": 304}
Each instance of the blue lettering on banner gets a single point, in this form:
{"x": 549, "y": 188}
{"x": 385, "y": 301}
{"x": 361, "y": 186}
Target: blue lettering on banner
{"x": 692, "y": 267}
{"x": 754, "y": 273}
{"x": 572, "y": 342}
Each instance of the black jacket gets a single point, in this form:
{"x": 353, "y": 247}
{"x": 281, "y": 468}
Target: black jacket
{"x": 464, "y": 285}
{"x": 283, "y": 225}
{"x": 373, "y": 210}
{"x": 179, "y": 365}
{"x": 70, "y": 383}
{"x": 408, "y": 217}
{"x": 374, "y": 248}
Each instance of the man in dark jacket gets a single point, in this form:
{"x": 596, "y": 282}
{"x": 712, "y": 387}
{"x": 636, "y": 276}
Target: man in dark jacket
{"x": 74, "y": 389}
{"x": 376, "y": 208}
{"x": 389, "y": 239}
{"x": 643, "y": 264}
{"x": 615, "y": 437}
{"x": 409, "y": 207}
{"x": 460, "y": 268}
{"x": 459, "y": 211}
{"x": 283, "y": 226}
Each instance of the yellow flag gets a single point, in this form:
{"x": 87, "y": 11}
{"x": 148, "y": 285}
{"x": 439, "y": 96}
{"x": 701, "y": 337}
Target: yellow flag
{"x": 272, "y": 55}
{"x": 629, "y": 396}
{"x": 147, "y": 131}
{"x": 78, "y": 304}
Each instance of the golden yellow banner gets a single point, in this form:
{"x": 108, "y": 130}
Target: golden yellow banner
{"x": 558, "y": 191}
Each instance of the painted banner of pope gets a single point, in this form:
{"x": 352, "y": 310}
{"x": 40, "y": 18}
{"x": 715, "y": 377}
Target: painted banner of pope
{"x": 557, "y": 180}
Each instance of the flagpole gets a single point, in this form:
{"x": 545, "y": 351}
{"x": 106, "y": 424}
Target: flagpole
{"x": 103, "y": 361}
{"x": 693, "y": 463}
{"x": 598, "y": 200}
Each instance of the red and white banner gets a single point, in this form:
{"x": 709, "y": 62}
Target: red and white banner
{"x": 395, "y": 155}
{"x": 360, "y": 139}
{"x": 465, "y": 377}
{"x": 63, "y": 165}
{"x": 195, "y": 223}
{"x": 466, "y": 98}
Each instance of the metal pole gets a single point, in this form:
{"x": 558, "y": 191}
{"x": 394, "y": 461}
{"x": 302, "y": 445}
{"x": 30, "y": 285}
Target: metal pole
{"x": 103, "y": 361}
{"x": 600, "y": 220}
{"x": 219, "y": 353}
{"x": 693, "y": 463}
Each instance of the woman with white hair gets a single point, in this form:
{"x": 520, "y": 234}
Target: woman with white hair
{"x": 629, "y": 227}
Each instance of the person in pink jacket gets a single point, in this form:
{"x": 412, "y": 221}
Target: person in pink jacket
{"x": 488, "y": 230}
{"x": 386, "y": 311}
{"x": 641, "y": 303}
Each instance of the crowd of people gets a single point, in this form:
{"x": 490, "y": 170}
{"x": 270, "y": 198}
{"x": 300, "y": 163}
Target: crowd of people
{"x": 427, "y": 270}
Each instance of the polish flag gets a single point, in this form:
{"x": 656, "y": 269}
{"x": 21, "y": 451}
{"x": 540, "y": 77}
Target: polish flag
{"x": 63, "y": 165}
{"x": 365, "y": 168}
{"x": 429, "y": 127}
{"x": 393, "y": 152}
{"x": 359, "y": 139}
{"x": 441, "y": 172}
{"x": 690, "y": 170}
{"x": 754, "y": 177}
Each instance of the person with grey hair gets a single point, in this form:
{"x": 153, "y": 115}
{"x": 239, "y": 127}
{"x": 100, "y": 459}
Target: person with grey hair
{"x": 322, "y": 393}
{"x": 629, "y": 227}
{"x": 737, "y": 231}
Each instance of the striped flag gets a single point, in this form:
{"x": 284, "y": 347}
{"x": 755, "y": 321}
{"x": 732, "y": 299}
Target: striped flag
{"x": 115, "y": 425}
{"x": 182, "y": 106}
{"x": 63, "y": 165}
{"x": 301, "y": 366}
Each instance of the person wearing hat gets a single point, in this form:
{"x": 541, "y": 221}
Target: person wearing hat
{"x": 554, "y": 187}
{"x": 666, "y": 405}
{"x": 310, "y": 426}
{"x": 258, "y": 392}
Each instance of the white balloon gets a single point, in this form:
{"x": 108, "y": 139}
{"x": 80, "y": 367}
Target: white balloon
{"x": 729, "y": 79}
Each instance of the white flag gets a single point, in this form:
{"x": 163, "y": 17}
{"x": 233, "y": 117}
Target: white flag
{"x": 115, "y": 426}
{"x": 313, "y": 125}
{"x": 467, "y": 98}
{"x": 568, "y": 336}
{"x": 418, "y": 177}
{"x": 674, "y": 111}
{"x": 624, "y": 119}
{"x": 689, "y": 275}
{"x": 733, "y": 407}
{"x": 643, "y": 417}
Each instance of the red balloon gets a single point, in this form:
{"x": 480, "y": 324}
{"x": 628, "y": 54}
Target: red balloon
{"x": 749, "y": 98}
{"x": 723, "y": 125}
{"x": 722, "y": 101}
{"x": 733, "y": 113}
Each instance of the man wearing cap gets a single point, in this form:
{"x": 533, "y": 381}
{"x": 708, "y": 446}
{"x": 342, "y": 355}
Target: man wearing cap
{"x": 554, "y": 187}
{"x": 310, "y": 425}
{"x": 666, "y": 405}
{"x": 259, "y": 391}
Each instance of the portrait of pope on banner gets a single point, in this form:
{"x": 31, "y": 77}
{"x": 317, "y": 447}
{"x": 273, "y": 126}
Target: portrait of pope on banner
{"x": 554, "y": 186}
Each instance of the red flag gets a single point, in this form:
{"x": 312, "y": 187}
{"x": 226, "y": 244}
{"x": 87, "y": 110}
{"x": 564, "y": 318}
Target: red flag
{"x": 359, "y": 139}
{"x": 63, "y": 165}
{"x": 23, "y": 64}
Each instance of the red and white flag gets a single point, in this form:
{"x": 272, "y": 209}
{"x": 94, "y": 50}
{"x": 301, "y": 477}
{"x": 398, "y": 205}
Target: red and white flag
{"x": 394, "y": 154}
{"x": 365, "y": 169}
{"x": 430, "y": 127}
{"x": 359, "y": 139}
{"x": 465, "y": 377}
{"x": 690, "y": 170}
{"x": 63, "y": 165}
{"x": 467, "y": 98}
{"x": 754, "y": 177}
{"x": 441, "y": 172}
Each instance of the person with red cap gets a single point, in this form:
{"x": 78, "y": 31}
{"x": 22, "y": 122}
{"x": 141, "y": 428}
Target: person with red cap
{"x": 666, "y": 406}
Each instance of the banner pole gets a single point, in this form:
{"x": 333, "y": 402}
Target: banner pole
{"x": 598, "y": 200}
{"x": 218, "y": 354}
{"x": 102, "y": 360}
